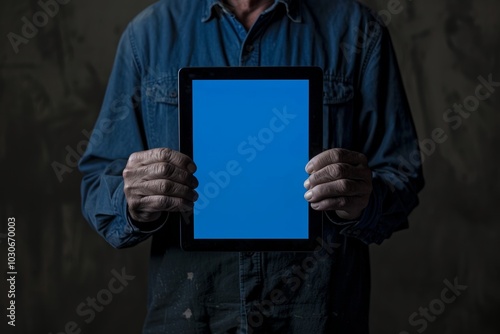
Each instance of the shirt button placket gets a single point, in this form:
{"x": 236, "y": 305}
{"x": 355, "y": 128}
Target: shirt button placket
{"x": 249, "y": 56}
{"x": 250, "y": 283}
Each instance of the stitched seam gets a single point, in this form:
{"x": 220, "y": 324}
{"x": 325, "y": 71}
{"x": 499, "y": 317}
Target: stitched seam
{"x": 134, "y": 49}
{"x": 369, "y": 53}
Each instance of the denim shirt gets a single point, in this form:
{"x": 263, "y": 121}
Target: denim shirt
{"x": 364, "y": 109}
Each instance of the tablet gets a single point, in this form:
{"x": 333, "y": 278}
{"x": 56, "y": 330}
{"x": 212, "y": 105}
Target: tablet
{"x": 251, "y": 132}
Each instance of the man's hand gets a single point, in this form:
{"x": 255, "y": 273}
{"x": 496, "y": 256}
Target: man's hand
{"x": 341, "y": 181}
{"x": 159, "y": 180}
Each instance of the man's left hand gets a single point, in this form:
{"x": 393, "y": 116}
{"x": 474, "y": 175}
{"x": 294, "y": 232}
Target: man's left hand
{"x": 339, "y": 181}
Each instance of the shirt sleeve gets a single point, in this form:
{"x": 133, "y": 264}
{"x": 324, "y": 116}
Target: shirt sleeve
{"x": 117, "y": 134}
{"x": 387, "y": 136}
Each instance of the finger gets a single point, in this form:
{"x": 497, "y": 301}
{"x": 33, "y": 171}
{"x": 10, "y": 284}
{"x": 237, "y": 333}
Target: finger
{"x": 145, "y": 217}
{"x": 337, "y": 172}
{"x": 167, "y": 171}
{"x": 338, "y": 188}
{"x": 160, "y": 203}
{"x": 165, "y": 188}
{"x": 149, "y": 157}
{"x": 333, "y": 156}
{"x": 339, "y": 203}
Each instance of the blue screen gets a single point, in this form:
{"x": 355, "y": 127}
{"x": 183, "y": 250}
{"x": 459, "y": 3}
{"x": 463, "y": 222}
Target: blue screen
{"x": 250, "y": 144}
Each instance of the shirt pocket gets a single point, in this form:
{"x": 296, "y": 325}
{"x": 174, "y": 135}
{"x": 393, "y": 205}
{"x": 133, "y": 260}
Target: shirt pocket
{"x": 338, "y": 112}
{"x": 162, "y": 113}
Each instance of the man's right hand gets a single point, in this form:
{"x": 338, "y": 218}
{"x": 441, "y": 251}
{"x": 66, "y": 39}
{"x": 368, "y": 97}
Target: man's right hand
{"x": 159, "y": 180}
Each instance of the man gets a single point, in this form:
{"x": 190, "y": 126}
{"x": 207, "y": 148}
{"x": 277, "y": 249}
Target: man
{"x": 136, "y": 182}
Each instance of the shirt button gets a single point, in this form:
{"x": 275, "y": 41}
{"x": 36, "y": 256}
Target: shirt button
{"x": 249, "y": 48}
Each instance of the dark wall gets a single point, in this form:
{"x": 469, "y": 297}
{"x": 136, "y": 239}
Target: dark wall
{"x": 51, "y": 91}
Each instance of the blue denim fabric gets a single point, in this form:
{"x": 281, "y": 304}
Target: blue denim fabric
{"x": 365, "y": 110}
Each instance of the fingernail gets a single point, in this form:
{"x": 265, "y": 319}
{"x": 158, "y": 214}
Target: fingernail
{"x": 309, "y": 168}
{"x": 307, "y": 183}
{"x": 308, "y": 195}
{"x": 191, "y": 168}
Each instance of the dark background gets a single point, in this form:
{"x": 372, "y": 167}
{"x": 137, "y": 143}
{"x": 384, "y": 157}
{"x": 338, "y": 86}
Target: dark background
{"x": 51, "y": 91}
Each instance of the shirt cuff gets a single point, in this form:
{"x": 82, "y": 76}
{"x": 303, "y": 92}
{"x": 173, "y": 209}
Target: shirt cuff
{"x": 365, "y": 228}
{"x": 334, "y": 218}
{"x": 148, "y": 227}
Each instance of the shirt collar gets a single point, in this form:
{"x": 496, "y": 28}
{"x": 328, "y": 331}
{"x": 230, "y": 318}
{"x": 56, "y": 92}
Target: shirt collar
{"x": 292, "y": 9}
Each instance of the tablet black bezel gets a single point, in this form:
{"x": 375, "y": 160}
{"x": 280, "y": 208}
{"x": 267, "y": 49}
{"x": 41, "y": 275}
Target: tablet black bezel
{"x": 315, "y": 77}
